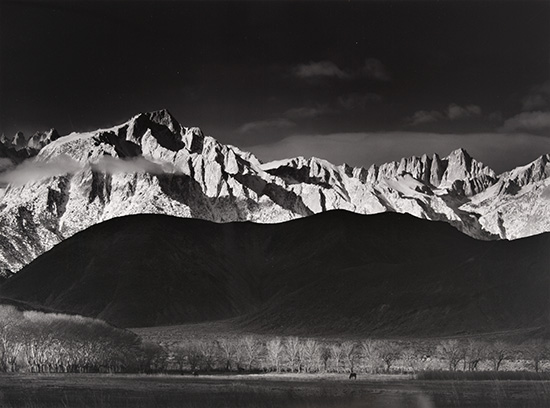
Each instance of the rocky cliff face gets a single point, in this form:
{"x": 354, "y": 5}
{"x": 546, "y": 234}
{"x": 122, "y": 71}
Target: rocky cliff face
{"x": 19, "y": 147}
{"x": 518, "y": 204}
{"x": 457, "y": 172}
{"x": 152, "y": 164}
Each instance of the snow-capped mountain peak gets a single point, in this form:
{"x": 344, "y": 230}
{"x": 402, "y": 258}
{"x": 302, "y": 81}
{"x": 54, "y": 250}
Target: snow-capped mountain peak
{"x": 153, "y": 164}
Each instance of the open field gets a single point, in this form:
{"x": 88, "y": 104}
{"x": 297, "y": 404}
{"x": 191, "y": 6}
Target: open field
{"x": 106, "y": 391}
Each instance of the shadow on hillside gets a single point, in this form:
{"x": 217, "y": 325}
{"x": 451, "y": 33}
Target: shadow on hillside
{"x": 188, "y": 191}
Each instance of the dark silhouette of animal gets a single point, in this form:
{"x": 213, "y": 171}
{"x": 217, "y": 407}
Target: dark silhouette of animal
{"x": 196, "y": 373}
{"x": 353, "y": 375}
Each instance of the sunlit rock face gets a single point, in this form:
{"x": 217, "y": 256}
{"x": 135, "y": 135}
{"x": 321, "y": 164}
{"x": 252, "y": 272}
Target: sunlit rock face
{"x": 153, "y": 164}
{"x": 518, "y": 204}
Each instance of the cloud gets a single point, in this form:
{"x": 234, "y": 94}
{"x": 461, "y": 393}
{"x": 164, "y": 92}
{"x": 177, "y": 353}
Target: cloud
{"x": 113, "y": 165}
{"x": 453, "y": 112}
{"x": 280, "y": 123}
{"x": 498, "y": 150}
{"x": 287, "y": 118}
{"x": 495, "y": 116}
{"x": 423, "y": 116}
{"x": 308, "y": 112}
{"x": 357, "y": 100}
{"x": 374, "y": 69}
{"x": 352, "y": 101}
{"x": 32, "y": 170}
{"x": 5, "y": 163}
{"x": 533, "y": 122}
{"x": 321, "y": 69}
{"x": 537, "y": 98}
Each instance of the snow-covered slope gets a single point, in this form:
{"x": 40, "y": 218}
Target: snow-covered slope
{"x": 152, "y": 164}
{"x": 518, "y": 205}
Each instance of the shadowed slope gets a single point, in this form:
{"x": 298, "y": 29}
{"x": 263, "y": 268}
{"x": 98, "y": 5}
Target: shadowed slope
{"x": 332, "y": 272}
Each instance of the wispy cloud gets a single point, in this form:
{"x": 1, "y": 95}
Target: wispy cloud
{"x": 537, "y": 98}
{"x": 495, "y": 116}
{"x": 308, "y": 112}
{"x": 453, "y": 112}
{"x": 32, "y": 170}
{"x": 358, "y": 100}
{"x": 321, "y": 69}
{"x": 423, "y": 116}
{"x": 279, "y": 123}
{"x": 348, "y": 102}
{"x": 113, "y": 165}
{"x": 373, "y": 69}
{"x": 533, "y": 122}
{"x": 286, "y": 119}
{"x": 5, "y": 163}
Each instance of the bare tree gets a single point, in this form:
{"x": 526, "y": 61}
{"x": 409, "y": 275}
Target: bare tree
{"x": 337, "y": 355}
{"x": 325, "y": 355}
{"x": 207, "y": 350}
{"x": 389, "y": 352}
{"x": 275, "y": 353}
{"x": 475, "y": 352}
{"x": 301, "y": 356}
{"x": 535, "y": 350}
{"x": 370, "y": 350}
{"x": 180, "y": 356}
{"x": 251, "y": 349}
{"x": 151, "y": 358}
{"x": 36, "y": 348}
{"x": 451, "y": 351}
{"x": 349, "y": 350}
{"x": 228, "y": 348}
{"x": 312, "y": 355}
{"x": 411, "y": 359}
{"x": 11, "y": 337}
{"x": 497, "y": 352}
{"x": 292, "y": 348}
{"x": 194, "y": 356}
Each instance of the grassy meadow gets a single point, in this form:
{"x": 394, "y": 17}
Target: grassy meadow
{"x": 266, "y": 390}
{"x": 54, "y": 360}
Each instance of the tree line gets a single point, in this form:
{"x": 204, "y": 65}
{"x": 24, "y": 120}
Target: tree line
{"x": 292, "y": 354}
{"x": 39, "y": 342}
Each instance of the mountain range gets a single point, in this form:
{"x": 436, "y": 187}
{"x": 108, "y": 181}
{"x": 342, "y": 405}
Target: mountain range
{"x": 54, "y": 186}
{"x": 331, "y": 273}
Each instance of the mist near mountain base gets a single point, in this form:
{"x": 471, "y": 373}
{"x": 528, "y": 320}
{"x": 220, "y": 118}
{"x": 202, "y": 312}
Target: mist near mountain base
{"x": 32, "y": 170}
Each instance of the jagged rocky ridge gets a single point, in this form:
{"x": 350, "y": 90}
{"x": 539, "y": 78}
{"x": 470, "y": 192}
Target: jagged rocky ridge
{"x": 152, "y": 164}
{"x": 19, "y": 147}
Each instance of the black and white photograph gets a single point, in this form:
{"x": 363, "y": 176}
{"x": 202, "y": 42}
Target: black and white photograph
{"x": 274, "y": 204}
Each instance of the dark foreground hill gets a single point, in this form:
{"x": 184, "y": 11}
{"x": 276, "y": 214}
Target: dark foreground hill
{"x": 390, "y": 274}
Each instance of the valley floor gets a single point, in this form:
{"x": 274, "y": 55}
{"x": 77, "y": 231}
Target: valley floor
{"x": 259, "y": 391}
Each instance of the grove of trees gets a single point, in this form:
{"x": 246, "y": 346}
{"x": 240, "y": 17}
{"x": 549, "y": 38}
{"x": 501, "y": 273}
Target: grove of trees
{"x": 297, "y": 355}
{"x": 49, "y": 342}
{"x": 39, "y": 342}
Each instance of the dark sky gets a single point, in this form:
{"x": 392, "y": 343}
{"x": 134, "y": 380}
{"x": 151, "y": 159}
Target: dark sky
{"x": 360, "y": 82}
